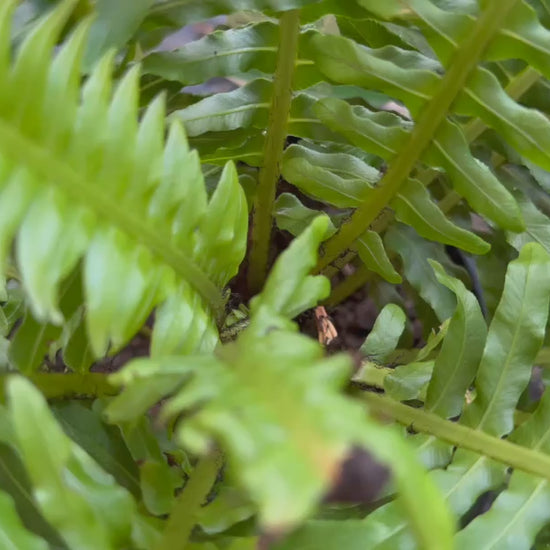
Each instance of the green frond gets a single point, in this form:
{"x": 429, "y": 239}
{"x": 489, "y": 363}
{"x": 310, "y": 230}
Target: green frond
{"x": 518, "y": 514}
{"x": 82, "y": 511}
{"x": 13, "y": 532}
{"x": 514, "y": 338}
{"x": 83, "y": 180}
{"x": 403, "y": 145}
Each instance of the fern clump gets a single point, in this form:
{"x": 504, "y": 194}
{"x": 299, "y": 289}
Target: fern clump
{"x": 174, "y": 220}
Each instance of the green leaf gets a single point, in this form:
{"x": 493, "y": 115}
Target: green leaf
{"x": 345, "y": 62}
{"x": 114, "y": 25}
{"x": 408, "y": 382}
{"x": 292, "y": 216}
{"x": 157, "y": 479}
{"x": 514, "y": 338}
{"x": 222, "y": 53}
{"x": 380, "y": 133}
{"x": 414, "y": 253}
{"x": 519, "y": 322}
{"x": 182, "y": 325}
{"x": 252, "y": 435}
{"x": 537, "y": 228}
{"x": 223, "y": 228}
{"x": 137, "y": 399}
{"x": 372, "y": 253}
{"x": 229, "y": 507}
{"x": 77, "y": 352}
{"x": 246, "y": 107}
{"x": 92, "y": 512}
{"x": 337, "y": 178}
{"x": 181, "y": 12}
{"x": 521, "y": 510}
{"x": 413, "y": 206}
{"x": 31, "y": 343}
{"x": 521, "y": 36}
{"x": 101, "y": 441}
{"x": 87, "y": 181}
{"x": 157, "y": 486}
{"x": 289, "y": 289}
{"x": 385, "y": 334}
{"x": 527, "y": 130}
{"x": 15, "y": 482}
{"x": 385, "y": 134}
{"x": 457, "y": 362}
{"x": 12, "y": 533}
{"x": 242, "y": 108}
{"x": 472, "y": 179}
{"x": 220, "y": 147}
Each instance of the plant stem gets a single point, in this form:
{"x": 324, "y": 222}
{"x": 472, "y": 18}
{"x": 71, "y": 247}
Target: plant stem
{"x": 185, "y": 513}
{"x": 273, "y": 149}
{"x": 516, "y": 456}
{"x": 463, "y": 63}
{"x": 63, "y": 386}
{"x": 372, "y": 375}
{"x": 349, "y": 285}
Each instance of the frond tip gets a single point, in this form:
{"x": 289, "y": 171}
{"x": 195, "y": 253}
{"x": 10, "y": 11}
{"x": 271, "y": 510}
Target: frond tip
{"x": 82, "y": 179}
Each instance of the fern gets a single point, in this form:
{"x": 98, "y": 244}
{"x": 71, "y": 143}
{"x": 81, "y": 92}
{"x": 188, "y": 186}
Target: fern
{"x": 83, "y": 180}
{"x": 403, "y": 74}
{"x": 373, "y": 142}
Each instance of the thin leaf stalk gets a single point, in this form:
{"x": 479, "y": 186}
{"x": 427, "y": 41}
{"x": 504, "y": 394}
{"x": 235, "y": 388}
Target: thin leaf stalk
{"x": 372, "y": 375}
{"x": 360, "y": 277}
{"x": 185, "y": 513}
{"x": 462, "y": 64}
{"x": 501, "y": 450}
{"x": 262, "y": 220}
{"x": 67, "y": 386}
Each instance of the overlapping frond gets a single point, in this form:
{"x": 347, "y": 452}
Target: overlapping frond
{"x": 502, "y": 372}
{"x": 262, "y": 398}
{"x": 406, "y": 71}
{"x": 513, "y": 340}
{"x": 86, "y": 183}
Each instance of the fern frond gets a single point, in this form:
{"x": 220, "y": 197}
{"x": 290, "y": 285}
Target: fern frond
{"x": 286, "y": 452}
{"x": 514, "y": 338}
{"x": 521, "y": 510}
{"x": 82, "y": 510}
{"x": 264, "y": 434}
{"x": 407, "y": 75}
{"x": 457, "y": 362}
{"x": 13, "y": 532}
{"x": 84, "y": 180}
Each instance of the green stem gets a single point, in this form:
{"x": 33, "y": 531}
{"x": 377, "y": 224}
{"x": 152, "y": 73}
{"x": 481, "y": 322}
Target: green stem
{"x": 372, "y": 375}
{"x": 273, "y": 149}
{"x": 185, "y": 513}
{"x": 64, "y": 386}
{"x": 504, "y": 451}
{"x": 360, "y": 277}
{"x": 463, "y": 63}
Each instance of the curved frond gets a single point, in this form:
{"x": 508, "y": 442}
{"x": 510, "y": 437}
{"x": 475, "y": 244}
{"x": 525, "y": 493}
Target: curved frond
{"x": 82, "y": 179}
